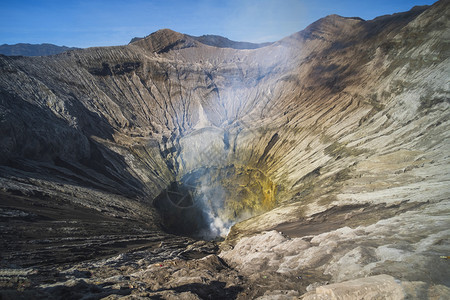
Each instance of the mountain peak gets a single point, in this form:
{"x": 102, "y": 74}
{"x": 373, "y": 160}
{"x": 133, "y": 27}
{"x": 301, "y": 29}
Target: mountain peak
{"x": 164, "y": 40}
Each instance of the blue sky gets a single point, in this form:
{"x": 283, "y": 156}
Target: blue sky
{"x": 87, "y": 23}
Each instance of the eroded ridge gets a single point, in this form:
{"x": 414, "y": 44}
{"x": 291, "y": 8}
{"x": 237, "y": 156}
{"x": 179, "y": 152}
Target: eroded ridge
{"x": 337, "y": 135}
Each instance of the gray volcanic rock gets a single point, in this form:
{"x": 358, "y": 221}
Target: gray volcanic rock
{"x": 324, "y": 156}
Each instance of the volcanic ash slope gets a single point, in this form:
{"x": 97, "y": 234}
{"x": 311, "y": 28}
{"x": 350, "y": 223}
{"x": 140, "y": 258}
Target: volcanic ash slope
{"x": 333, "y": 142}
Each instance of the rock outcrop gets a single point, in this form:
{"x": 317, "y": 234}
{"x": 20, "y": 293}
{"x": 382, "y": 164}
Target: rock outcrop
{"x": 327, "y": 153}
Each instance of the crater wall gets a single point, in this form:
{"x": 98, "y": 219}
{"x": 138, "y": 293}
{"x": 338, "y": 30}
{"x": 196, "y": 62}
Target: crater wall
{"x": 346, "y": 116}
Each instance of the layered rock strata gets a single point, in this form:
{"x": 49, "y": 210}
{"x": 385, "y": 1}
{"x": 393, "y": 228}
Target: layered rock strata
{"x": 336, "y": 136}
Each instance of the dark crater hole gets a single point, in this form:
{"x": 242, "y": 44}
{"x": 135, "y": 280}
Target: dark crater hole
{"x": 179, "y": 211}
{"x": 206, "y": 202}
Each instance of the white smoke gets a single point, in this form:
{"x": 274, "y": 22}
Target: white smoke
{"x": 217, "y": 227}
{"x": 211, "y": 199}
{"x": 209, "y": 144}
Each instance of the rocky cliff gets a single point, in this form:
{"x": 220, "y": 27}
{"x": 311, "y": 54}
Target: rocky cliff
{"x": 327, "y": 151}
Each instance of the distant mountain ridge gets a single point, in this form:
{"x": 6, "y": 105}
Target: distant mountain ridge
{"x": 223, "y": 42}
{"x": 23, "y": 49}
{"x": 215, "y": 41}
